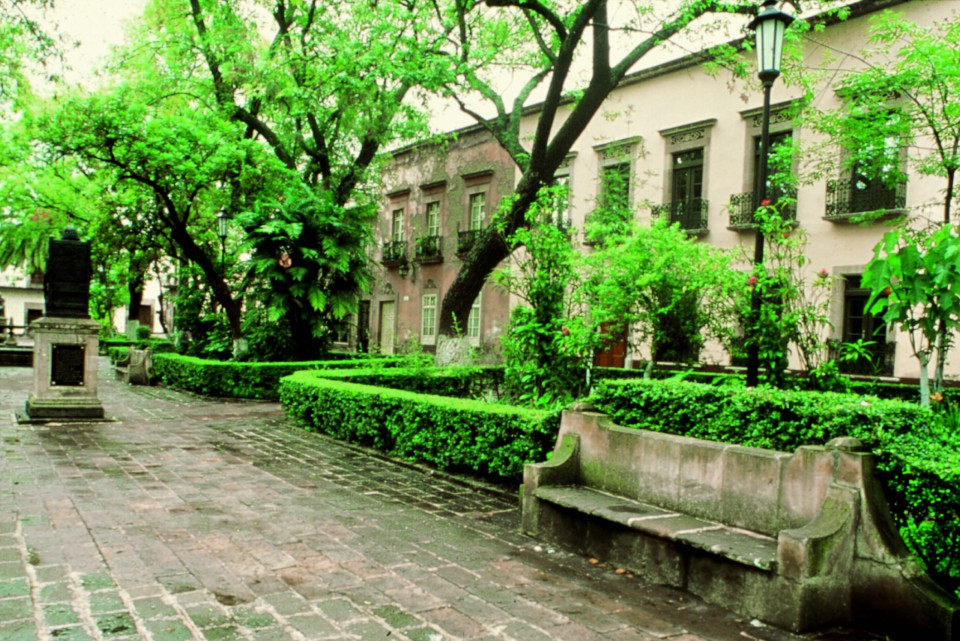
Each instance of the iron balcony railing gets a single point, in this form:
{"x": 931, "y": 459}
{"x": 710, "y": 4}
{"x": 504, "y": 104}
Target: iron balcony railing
{"x": 846, "y": 198}
{"x": 690, "y": 214}
{"x": 743, "y": 210}
{"x": 394, "y": 253}
{"x": 466, "y": 240}
{"x": 429, "y": 249}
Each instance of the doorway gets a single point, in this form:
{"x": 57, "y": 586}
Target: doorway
{"x": 388, "y": 317}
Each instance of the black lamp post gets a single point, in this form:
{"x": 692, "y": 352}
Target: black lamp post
{"x": 222, "y": 219}
{"x": 769, "y": 27}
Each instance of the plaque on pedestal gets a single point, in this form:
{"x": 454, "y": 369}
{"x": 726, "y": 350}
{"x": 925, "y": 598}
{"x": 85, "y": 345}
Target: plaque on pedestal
{"x": 67, "y": 365}
{"x": 65, "y": 339}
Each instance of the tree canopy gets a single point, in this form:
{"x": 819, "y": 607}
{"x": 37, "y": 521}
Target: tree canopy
{"x": 549, "y": 44}
{"x": 245, "y": 108}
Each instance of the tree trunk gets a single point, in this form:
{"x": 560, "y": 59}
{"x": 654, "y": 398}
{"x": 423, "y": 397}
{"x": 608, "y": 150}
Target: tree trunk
{"x": 546, "y": 156}
{"x": 221, "y": 291}
{"x": 924, "y": 380}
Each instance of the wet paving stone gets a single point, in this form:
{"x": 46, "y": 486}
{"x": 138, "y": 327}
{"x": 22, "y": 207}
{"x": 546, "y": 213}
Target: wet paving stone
{"x": 198, "y": 519}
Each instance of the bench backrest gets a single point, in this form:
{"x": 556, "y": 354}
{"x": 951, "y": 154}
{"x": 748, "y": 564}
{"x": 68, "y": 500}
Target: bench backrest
{"x": 759, "y": 490}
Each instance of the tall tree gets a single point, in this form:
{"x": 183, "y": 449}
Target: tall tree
{"x": 329, "y": 90}
{"x": 22, "y": 40}
{"x": 237, "y": 106}
{"x": 561, "y": 37}
{"x": 899, "y": 111}
{"x": 182, "y": 160}
{"x": 905, "y": 97}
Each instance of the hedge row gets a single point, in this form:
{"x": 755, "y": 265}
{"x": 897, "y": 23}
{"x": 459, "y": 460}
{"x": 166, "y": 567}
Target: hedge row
{"x": 155, "y": 345}
{"x": 761, "y": 417}
{"x": 918, "y": 452}
{"x": 461, "y": 382}
{"x": 240, "y": 379}
{"x": 451, "y": 433}
{"x": 873, "y": 387}
{"x": 117, "y": 354}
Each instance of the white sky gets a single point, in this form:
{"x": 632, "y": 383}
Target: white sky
{"x": 93, "y": 25}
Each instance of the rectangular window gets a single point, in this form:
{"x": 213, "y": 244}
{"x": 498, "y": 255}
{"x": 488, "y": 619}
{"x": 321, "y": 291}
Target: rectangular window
{"x": 615, "y": 186}
{"x": 776, "y": 189}
{"x": 687, "y": 177}
{"x": 433, "y": 218}
{"x": 396, "y": 229}
{"x": 860, "y": 325}
{"x": 687, "y": 206}
{"x": 429, "y": 317}
{"x": 478, "y": 210}
{"x": 473, "y": 320}
{"x": 561, "y": 201}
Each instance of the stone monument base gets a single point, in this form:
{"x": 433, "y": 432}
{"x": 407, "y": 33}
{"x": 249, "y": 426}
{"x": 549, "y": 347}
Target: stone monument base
{"x": 64, "y": 370}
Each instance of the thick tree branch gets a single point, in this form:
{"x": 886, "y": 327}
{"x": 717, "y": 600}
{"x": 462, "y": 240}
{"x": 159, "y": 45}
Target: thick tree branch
{"x": 532, "y": 5}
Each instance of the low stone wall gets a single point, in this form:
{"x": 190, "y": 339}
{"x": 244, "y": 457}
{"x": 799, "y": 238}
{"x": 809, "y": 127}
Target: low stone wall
{"x": 799, "y": 540}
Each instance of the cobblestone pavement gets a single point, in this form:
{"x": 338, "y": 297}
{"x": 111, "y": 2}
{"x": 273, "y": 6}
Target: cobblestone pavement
{"x": 192, "y": 518}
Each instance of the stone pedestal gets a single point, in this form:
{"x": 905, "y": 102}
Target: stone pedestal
{"x": 64, "y": 370}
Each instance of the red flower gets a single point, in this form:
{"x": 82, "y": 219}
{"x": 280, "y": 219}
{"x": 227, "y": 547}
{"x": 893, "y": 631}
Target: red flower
{"x": 887, "y": 291}
{"x": 565, "y": 332}
{"x": 824, "y": 273}
{"x": 752, "y": 281}
{"x": 765, "y": 202}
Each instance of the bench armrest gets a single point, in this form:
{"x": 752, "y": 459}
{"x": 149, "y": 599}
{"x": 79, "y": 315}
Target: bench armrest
{"x": 824, "y": 546}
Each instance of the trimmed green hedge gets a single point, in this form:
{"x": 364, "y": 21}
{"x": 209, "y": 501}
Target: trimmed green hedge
{"x": 461, "y": 382}
{"x": 878, "y": 388}
{"x": 918, "y": 453}
{"x": 117, "y": 354}
{"x": 760, "y": 417}
{"x": 242, "y": 379}
{"x": 155, "y": 345}
{"x": 489, "y": 439}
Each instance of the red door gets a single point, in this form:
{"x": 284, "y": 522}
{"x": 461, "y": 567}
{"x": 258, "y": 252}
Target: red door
{"x": 614, "y": 353}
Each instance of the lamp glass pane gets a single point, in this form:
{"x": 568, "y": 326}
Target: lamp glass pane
{"x": 770, "y": 44}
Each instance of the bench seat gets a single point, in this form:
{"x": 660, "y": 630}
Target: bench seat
{"x": 740, "y": 546}
{"x": 799, "y": 540}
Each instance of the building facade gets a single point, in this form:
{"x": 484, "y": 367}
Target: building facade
{"x": 678, "y": 142}
{"x": 437, "y": 197}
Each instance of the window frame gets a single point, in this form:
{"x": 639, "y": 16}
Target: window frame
{"x": 432, "y": 211}
{"x": 474, "y": 325}
{"x": 397, "y": 215}
{"x": 475, "y": 223}
{"x": 428, "y": 338}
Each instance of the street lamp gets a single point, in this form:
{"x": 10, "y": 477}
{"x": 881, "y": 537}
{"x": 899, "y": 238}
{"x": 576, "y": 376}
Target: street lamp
{"x": 222, "y": 219}
{"x": 769, "y": 27}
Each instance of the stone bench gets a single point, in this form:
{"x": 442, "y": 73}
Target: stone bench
{"x": 798, "y": 540}
{"x": 135, "y": 368}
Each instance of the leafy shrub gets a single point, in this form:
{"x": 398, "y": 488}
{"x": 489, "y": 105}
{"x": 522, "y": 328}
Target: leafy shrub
{"x": 107, "y": 343}
{"x": 117, "y": 354}
{"x": 760, "y": 417}
{"x": 872, "y": 387}
{"x": 240, "y": 380}
{"x": 155, "y": 345}
{"x": 918, "y": 453}
{"x": 922, "y": 474}
{"x": 460, "y": 382}
{"x": 489, "y": 439}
